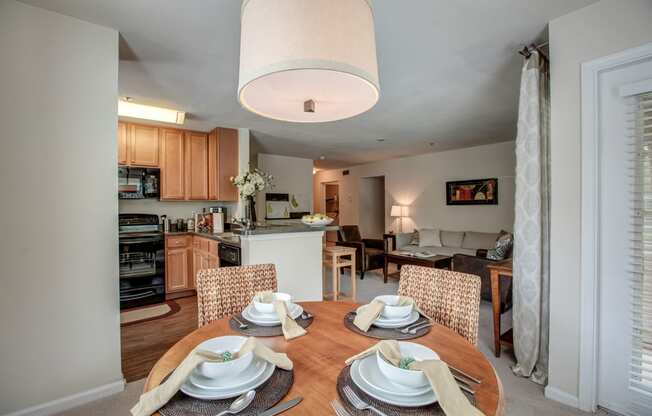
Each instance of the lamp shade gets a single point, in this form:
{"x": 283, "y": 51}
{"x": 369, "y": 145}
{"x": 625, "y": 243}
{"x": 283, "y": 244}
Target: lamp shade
{"x": 396, "y": 211}
{"x": 308, "y": 61}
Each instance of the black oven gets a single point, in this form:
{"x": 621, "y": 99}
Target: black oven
{"x": 142, "y": 261}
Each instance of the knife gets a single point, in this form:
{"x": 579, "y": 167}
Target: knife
{"x": 280, "y": 408}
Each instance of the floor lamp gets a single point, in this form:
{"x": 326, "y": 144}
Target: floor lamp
{"x": 400, "y": 212}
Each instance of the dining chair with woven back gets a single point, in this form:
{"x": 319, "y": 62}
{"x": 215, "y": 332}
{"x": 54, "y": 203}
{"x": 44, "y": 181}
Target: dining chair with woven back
{"x": 449, "y": 298}
{"x": 227, "y": 291}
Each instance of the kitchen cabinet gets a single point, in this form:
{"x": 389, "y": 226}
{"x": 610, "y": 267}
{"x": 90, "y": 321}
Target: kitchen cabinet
{"x": 196, "y": 166}
{"x": 173, "y": 164}
{"x": 177, "y": 264}
{"x": 222, "y": 164}
{"x": 143, "y": 145}
{"x": 185, "y": 256}
{"x": 123, "y": 137}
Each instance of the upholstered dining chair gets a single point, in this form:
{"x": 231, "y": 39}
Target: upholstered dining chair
{"x": 228, "y": 290}
{"x": 449, "y": 298}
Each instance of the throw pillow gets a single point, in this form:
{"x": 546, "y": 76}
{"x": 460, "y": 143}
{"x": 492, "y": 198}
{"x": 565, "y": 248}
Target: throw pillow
{"x": 503, "y": 245}
{"x": 429, "y": 238}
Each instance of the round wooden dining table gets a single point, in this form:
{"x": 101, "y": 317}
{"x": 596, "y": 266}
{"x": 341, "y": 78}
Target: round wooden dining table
{"x": 319, "y": 357}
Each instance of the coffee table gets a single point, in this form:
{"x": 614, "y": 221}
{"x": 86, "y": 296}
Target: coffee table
{"x": 398, "y": 258}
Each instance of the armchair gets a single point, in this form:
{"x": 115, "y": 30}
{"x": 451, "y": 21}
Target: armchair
{"x": 369, "y": 252}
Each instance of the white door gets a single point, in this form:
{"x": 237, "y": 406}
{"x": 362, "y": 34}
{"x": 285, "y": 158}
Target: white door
{"x": 615, "y": 390}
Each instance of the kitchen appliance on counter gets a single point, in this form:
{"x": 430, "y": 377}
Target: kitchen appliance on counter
{"x": 142, "y": 260}
{"x": 229, "y": 254}
{"x": 138, "y": 183}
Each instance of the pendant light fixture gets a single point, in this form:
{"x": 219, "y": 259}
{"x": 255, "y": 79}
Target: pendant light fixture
{"x": 308, "y": 61}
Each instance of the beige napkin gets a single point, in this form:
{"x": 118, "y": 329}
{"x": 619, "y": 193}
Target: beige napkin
{"x": 451, "y": 399}
{"x": 290, "y": 328}
{"x": 368, "y": 314}
{"x": 156, "y": 398}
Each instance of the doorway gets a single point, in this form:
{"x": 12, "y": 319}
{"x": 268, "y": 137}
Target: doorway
{"x": 371, "y": 209}
{"x": 332, "y": 208}
{"x": 616, "y": 236}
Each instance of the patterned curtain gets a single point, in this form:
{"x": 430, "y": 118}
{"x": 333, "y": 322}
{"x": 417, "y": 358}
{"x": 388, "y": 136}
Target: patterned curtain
{"x": 532, "y": 223}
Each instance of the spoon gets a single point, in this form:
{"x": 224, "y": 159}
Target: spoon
{"x": 239, "y": 404}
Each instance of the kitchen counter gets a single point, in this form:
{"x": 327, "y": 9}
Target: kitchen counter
{"x": 228, "y": 238}
{"x": 284, "y": 229}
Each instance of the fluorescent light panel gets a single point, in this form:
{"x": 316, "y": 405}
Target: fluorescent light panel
{"x": 148, "y": 112}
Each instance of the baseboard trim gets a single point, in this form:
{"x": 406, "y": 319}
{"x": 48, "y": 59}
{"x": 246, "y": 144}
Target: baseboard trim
{"x": 560, "y": 396}
{"x": 74, "y": 400}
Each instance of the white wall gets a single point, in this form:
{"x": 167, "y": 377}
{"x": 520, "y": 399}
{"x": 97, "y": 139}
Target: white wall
{"x": 601, "y": 29}
{"x": 419, "y": 182}
{"x": 372, "y": 203}
{"x": 292, "y": 175}
{"x": 59, "y": 213}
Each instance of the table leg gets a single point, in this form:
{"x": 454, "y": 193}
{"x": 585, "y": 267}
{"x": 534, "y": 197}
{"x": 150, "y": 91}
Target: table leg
{"x": 385, "y": 267}
{"x": 353, "y": 279}
{"x": 335, "y": 285}
{"x": 495, "y": 303}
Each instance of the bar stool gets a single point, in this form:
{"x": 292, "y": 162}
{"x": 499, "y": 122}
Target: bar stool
{"x": 338, "y": 262}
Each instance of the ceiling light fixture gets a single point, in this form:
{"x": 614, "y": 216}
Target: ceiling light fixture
{"x": 308, "y": 61}
{"x": 127, "y": 108}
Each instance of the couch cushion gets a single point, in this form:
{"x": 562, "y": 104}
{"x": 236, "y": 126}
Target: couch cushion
{"x": 451, "y": 238}
{"x": 403, "y": 239}
{"x": 479, "y": 240}
{"x": 429, "y": 237}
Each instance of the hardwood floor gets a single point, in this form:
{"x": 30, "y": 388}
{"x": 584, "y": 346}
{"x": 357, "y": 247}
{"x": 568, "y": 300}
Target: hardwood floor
{"x": 144, "y": 343}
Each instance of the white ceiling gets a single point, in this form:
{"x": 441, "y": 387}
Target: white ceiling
{"x": 449, "y": 71}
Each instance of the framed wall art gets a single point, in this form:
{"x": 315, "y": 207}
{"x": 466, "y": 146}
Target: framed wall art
{"x": 472, "y": 192}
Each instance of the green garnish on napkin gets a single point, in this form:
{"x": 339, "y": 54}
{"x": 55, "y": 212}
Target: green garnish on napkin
{"x": 227, "y": 356}
{"x": 405, "y": 362}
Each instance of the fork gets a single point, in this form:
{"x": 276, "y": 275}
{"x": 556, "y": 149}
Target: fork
{"x": 242, "y": 324}
{"x": 339, "y": 409}
{"x": 358, "y": 403}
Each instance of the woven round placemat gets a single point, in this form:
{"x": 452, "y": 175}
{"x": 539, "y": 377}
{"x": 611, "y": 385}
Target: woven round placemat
{"x": 254, "y": 330}
{"x": 344, "y": 379}
{"x": 267, "y": 395}
{"x": 385, "y": 333}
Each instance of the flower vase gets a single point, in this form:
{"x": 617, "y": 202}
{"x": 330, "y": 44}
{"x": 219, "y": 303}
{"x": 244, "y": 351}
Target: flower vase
{"x": 250, "y": 210}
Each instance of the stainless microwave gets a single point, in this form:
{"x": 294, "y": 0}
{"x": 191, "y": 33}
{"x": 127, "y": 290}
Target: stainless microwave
{"x": 138, "y": 183}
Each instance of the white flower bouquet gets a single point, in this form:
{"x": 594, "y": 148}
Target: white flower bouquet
{"x": 248, "y": 183}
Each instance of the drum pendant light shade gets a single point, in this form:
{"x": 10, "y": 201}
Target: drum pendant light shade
{"x": 308, "y": 61}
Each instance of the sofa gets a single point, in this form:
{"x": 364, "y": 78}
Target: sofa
{"x": 469, "y": 252}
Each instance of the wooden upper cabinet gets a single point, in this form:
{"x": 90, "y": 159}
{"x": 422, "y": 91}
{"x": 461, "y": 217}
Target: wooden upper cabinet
{"x": 123, "y": 148}
{"x": 172, "y": 164}
{"x": 222, "y": 164}
{"x": 143, "y": 145}
{"x": 196, "y": 166}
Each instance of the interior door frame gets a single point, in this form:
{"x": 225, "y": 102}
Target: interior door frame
{"x": 590, "y": 211}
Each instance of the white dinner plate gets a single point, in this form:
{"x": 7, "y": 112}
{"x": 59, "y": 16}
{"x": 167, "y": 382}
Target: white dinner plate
{"x": 252, "y": 372}
{"x": 397, "y": 400}
{"x": 205, "y": 394}
{"x": 251, "y": 316}
{"x": 372, "y": 375}
{"x": 414, "y": 316}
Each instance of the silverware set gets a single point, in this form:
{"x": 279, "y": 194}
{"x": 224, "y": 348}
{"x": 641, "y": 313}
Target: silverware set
{"x": 414, "y": 328}
{"x": 242, "y": 324}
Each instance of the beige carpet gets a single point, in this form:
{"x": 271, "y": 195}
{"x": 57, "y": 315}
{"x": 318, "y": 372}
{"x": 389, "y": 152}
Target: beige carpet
{"x": 143, "y": 314}
{"x": 522, "y": 397}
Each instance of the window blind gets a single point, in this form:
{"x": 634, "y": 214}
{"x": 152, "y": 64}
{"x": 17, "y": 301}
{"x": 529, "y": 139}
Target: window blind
{"x": 641, "y": 245}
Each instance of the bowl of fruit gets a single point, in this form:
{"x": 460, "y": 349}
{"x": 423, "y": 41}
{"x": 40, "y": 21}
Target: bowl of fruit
{"x": 316, "y": 220}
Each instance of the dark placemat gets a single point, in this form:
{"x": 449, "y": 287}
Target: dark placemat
{"x": 344, "y": 379}
{"x": 385, "y": 333}
{"x": 267, "y": 395}
{"x": 254, "y": 330}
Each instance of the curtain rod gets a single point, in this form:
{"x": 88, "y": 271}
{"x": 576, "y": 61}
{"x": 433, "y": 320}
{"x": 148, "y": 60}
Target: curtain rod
{"x": 527, "y": 50}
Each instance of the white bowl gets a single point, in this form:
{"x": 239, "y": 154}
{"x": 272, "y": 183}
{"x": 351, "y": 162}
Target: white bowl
{"x": 409, "y": 378}
{"x": 231, "y": 368}
{"x": 318, "y": 223}
{"x": 268, "y": 308}
{"x": 391, "y": 311}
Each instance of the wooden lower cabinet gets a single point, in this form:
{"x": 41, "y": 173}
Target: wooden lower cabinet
{"x": 185, "y": 256}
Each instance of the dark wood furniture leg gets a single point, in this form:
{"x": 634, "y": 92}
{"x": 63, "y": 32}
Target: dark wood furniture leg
{"x": 385, "y": 269}
{"x": 495, "y": 303}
